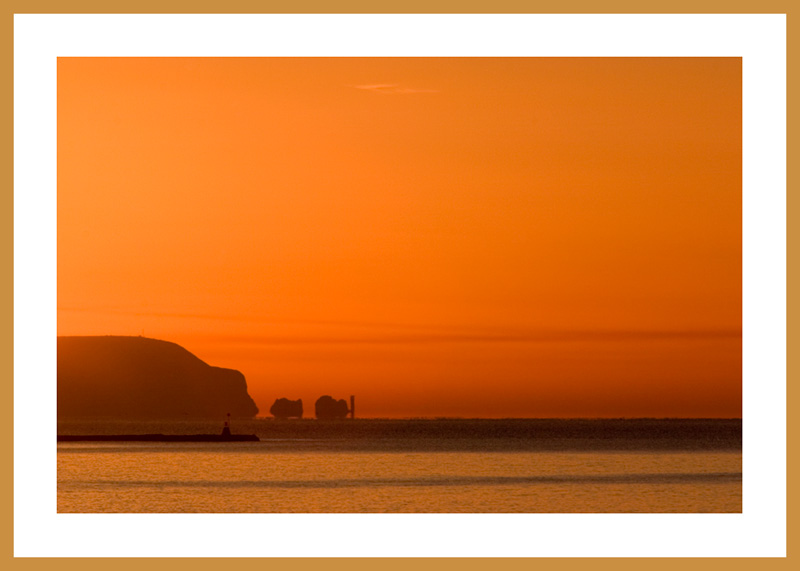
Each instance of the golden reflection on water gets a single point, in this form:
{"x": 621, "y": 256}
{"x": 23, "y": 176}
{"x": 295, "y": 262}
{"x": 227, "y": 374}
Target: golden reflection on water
{"x": 254, "y": 478}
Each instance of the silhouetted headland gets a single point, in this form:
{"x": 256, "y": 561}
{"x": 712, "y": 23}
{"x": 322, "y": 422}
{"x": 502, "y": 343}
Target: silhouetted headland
{"x": 137, "y": 377}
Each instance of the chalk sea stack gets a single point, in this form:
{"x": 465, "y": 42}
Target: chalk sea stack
{"x": 327, "y": 407}
{"x": 285, "y": 408}
{"x": 137, "y": 377}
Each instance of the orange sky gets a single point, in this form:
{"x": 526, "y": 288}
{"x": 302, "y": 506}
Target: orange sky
{"x": 440, "y": 237}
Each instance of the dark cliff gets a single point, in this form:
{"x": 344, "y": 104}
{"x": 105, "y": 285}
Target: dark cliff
{"x": 136, "y": 377}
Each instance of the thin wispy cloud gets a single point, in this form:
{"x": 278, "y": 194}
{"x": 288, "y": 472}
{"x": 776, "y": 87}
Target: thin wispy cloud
{"x": 368, "y": 332}
{"x": 537, "y": 337}
{"x": 394, "y": 88}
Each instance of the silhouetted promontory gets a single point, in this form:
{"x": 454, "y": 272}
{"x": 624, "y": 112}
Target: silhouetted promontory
{"x": 285, "y": 408}
{"x": 327, "y": 407}
{"x": 137, "y": 377}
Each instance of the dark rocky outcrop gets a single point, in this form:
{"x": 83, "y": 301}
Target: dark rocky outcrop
{"x": 327, "y": 407}
{"x": 137, "y": 377}
{"x": 285, "y": 408}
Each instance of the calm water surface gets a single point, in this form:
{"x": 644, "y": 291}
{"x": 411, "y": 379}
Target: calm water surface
{"x": 465, "y": 473}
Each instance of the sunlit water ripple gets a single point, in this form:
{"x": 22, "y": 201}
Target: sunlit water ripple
{"x": 311, "y": 475}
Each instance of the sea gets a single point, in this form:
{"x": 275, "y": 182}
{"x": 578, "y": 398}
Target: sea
{"x": 407, "y": 466}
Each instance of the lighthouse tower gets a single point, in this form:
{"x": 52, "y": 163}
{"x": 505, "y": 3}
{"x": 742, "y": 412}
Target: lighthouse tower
{"x": 226, "y": 429}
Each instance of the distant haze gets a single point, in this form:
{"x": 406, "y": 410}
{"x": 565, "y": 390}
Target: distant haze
{"x": 487, "y": 237}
